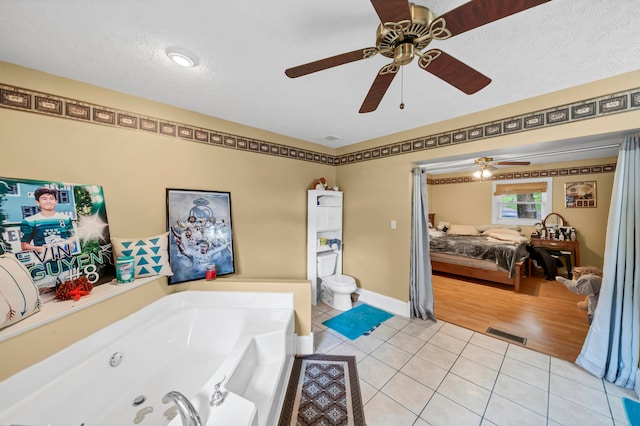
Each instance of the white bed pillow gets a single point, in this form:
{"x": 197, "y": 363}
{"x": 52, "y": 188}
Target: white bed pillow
{"x": 482, "y": 228}
{"x": 462, "y": 230}
{"x": 508, "y": 238}
{"x": 501, "y": 231}
{"x": 434, "y": 233}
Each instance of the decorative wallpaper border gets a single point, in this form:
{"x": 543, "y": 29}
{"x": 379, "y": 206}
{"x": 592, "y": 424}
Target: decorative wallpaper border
{"x": 528, "y": 174}
{"x": 56, "y": 106}
{"x": 577, "y": 111}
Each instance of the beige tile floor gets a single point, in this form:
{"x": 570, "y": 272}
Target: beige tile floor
{"x": 415, "y": 372}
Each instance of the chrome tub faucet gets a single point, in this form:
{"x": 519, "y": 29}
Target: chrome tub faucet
{"x": 187, "y": 412}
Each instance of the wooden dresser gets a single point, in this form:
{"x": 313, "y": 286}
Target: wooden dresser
{"x": 565, "y": 245}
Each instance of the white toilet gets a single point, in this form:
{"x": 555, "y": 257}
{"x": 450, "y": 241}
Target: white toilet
{"x": 335, "y": 290}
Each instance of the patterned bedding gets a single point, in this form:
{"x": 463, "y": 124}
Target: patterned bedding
{"x": 504, "y": 254}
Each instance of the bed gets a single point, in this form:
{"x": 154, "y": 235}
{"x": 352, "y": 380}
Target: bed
{"x": 497, "y": 255}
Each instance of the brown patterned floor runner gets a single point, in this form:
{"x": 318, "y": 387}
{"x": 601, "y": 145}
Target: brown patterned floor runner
{"x": 323, "y": 391}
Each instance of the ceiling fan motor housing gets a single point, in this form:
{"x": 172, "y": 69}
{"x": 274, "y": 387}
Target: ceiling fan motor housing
{"x": 399, "y": 45}
{"x": 403, "y": 54}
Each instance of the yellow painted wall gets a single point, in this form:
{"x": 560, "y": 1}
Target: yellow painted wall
{"x": 376, "y": 192}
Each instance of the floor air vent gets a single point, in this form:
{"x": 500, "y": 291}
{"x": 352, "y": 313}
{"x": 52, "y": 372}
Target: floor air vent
{"x": 507, "y": 336}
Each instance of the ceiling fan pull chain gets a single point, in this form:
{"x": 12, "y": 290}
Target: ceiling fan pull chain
{"x": 401, "y": 88}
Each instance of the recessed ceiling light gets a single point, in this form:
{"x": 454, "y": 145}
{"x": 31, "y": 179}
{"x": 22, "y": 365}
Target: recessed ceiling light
{"x": 181, "y": 58}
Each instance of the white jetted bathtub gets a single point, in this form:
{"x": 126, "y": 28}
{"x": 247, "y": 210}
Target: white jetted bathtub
{"x": 185, "y": 342}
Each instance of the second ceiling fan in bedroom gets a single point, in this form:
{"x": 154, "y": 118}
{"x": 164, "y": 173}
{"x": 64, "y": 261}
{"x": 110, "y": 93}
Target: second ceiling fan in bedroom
{"x": 404, "y": 32}
{"x": 486, "y": 166}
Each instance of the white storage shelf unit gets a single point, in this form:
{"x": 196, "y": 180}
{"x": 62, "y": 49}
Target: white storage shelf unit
{"x": 324, "y": 220}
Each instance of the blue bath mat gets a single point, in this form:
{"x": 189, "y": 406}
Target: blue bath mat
{"x": 632, "y": 408}
{"x": 357, "y": 321}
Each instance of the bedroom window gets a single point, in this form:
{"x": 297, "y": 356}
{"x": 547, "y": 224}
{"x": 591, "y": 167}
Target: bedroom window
{"x": 522, "y": 201}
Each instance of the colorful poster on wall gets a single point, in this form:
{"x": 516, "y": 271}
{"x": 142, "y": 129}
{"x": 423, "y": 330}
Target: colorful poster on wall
{"x": 201, "y": 238}
{"x": 59, "y": 231}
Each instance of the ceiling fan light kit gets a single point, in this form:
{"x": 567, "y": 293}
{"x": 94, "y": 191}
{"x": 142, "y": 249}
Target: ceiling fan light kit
{"x": 482, "y": 174}
{"x": 486, "y": 166}
{"x": 406, "y": 29}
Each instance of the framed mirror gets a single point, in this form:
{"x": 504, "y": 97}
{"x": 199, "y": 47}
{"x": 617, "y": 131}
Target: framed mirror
{"x": 554, "y": 220}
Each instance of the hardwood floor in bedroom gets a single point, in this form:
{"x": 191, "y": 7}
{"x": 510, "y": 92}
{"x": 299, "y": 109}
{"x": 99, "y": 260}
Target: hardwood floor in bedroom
{"x": 544, "y": 312}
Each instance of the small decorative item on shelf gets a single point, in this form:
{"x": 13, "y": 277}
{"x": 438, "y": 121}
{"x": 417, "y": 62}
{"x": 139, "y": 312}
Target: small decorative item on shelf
{"x": 125, "y": 266}
{"x": 319, "y": 184}
{"x": 334, "y": 243}
{"x": 74, "y": 289}
{"x": 210, "y": 274}
{"x": 538, "y": 233}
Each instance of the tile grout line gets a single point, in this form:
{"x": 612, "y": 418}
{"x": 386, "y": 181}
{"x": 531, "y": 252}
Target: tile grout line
{"x": 494, "y": 383}
{"x": 397, "y": 370}
{"x": 440, "y": 331}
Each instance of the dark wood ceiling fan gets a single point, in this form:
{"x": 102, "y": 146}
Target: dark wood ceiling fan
{"x": 488, "y": 161}
{"x": 404, "y": 32}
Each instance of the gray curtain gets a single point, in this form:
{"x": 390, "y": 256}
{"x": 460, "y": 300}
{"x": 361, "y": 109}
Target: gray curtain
{"x": 421, "y": 278}
{"x": 611, "y": 347}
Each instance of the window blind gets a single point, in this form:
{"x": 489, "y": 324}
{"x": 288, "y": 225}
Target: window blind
{"x": 520, "y": 188}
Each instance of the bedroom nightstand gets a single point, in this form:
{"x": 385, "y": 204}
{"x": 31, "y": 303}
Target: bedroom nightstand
{"x": 559, "y": 246}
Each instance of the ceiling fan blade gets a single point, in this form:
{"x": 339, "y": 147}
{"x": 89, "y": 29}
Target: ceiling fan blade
{"x": 379, "y": 87}
{"x": 454, "y": 72}
{"x": 331, "y": 62}
{"x": 513, "y": 163}
{"x": 479, "y": 12}
{"x": 392, "y": 10}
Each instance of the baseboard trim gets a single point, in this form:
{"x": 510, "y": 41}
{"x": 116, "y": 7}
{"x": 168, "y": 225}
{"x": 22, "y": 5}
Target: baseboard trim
{"x": 386, "y": 303}
{"x": 304, "y": 344}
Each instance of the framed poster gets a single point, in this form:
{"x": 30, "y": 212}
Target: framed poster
{"x": 580, "y": 194}
{"x": 59, "y": 231}
{"x": 200, "y": 233}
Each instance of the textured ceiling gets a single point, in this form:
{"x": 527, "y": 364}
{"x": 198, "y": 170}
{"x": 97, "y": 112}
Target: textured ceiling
{"x": 244, "y": 47}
